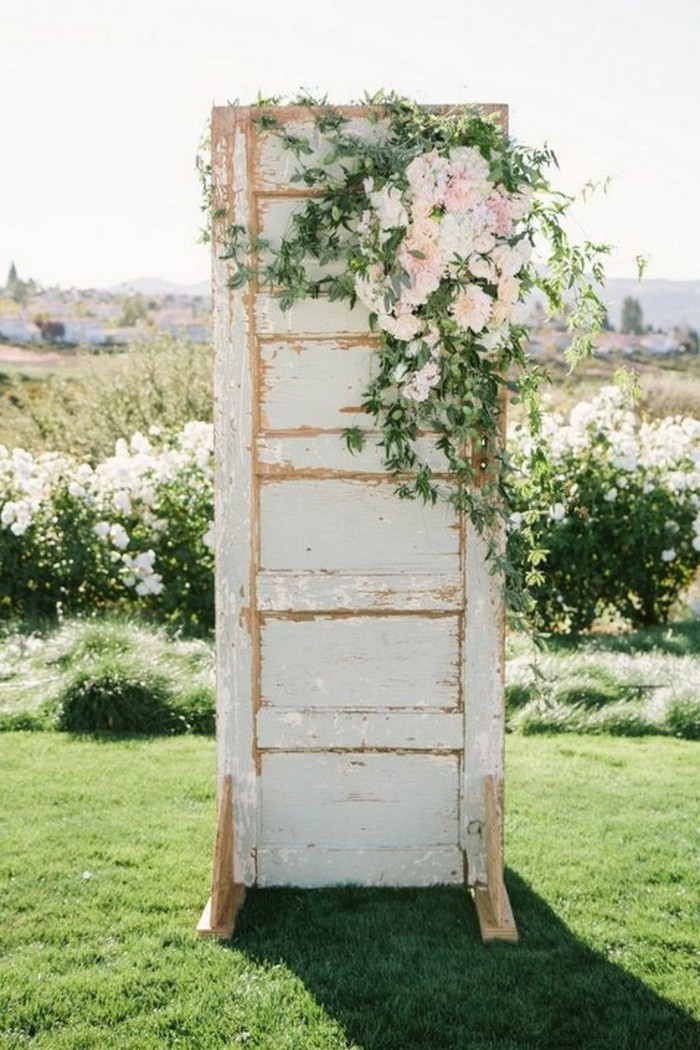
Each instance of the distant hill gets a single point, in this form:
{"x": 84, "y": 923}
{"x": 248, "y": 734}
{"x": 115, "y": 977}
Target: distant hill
{"x": 157, "y": 286}
{"x": 664, "y": 303}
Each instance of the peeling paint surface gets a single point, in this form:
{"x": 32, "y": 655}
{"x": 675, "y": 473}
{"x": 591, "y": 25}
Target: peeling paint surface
{"x": 359, "y": 636}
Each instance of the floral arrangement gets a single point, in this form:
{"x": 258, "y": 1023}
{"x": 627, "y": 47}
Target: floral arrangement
{"x": 433, "y": 222}
{"x": 459, "y": 229}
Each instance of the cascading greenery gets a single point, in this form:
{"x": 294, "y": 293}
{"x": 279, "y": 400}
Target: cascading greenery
{"x": 431, "y": 220}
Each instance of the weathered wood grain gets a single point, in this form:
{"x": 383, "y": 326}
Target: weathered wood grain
{"x": 355, "y": 592}
{"x": 431, "y": 866}
{"x": 320, "y": 316}
{"x": 219, "y": 916}
{"x": 291, "y": 729}
{"x": 234, "y": 496}
{"x": 359, "y": 801}
{"x": 314, "y": 383}
{"x": 484, "y": 696}
{"x": 361, "y": 661}
{"x": 326, "y": 456}
{"x": 353, "y": 526}
{"x": 358, "y": 742}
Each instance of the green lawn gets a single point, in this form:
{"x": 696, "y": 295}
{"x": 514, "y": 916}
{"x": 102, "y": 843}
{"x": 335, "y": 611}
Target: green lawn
{"x": 104, "y": 868}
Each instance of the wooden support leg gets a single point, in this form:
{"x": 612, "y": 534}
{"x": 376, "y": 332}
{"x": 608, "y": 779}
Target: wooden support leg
{"x": 219, "y": 916}
{"x": 492, "y": 904}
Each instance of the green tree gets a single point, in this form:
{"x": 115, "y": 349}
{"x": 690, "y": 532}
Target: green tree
{"x": 15, "y": 288}
{"x": 632, "y": 320}
{"x": 134, "y": 309}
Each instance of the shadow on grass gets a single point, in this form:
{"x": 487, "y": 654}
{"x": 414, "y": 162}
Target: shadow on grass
{"x": 404, "y": 969}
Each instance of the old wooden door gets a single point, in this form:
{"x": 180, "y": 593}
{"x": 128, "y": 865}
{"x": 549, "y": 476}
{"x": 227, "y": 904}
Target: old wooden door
{"x": 359, "y": 636}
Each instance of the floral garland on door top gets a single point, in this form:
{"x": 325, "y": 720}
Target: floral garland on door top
{"x": 431, "y": 220}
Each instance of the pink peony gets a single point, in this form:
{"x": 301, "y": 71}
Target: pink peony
{"x": 500, "y": 205}
{"x": 462, "y": 193}
{"x": 472, "y": 308}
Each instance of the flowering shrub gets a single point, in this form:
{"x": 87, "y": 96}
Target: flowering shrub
{"x": 623, "y": 530}
{"x": 135, "y": 528}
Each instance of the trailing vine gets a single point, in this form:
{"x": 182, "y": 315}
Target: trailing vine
{"x": 433, "y": 221}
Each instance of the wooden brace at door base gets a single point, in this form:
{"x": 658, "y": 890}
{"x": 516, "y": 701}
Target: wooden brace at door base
{"x": 219, "y": 916}
{"x": 492, "y": 903}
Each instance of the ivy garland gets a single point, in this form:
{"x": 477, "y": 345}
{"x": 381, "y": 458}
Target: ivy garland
{"x": 431, "y": 221}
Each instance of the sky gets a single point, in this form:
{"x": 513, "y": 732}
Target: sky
{"x": 104, "y": 103}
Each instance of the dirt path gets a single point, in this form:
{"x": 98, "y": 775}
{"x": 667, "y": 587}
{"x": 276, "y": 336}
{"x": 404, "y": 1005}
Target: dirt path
{"x": 19, "y": 355}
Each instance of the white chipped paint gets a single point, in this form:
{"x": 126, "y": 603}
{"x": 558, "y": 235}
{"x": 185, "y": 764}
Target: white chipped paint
{"x": 363, "y": 867}
{"x": 360, "y": 800}
{"x": 353, "y": 592}
{"x": 321, "y": 730}
{"x": 484, "y": 704}
{"x": 314, "y": 383}
{"x": 353, "y": 526}
{"x": 327, "y": 453}
{"x": 233, "y": 496}
{"x": 361, "y": 661}
{"x": 372, "y": 762}
{"x": 310, "y": 317}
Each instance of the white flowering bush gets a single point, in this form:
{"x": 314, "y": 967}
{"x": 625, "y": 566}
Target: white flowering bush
{"x": 623, "y": 529}
{"x": 135, "y": 528}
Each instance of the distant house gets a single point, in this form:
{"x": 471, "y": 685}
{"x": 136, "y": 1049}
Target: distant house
{"x": 83, "y": 331}
{"x": 191, "y": 329}
{"x": 659, "y": 343}
{"x": 18, "y": 330}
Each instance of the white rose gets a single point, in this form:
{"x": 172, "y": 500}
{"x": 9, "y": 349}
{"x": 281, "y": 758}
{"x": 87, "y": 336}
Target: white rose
{"x": 508, "y": 290}
{"x": 389, "y": 208}
{"x": 508, "y": 261}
